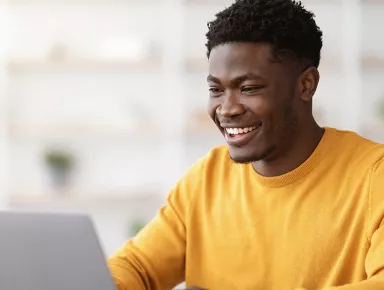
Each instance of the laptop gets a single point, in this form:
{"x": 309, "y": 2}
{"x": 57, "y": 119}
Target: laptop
{"x": 51, "y": 251}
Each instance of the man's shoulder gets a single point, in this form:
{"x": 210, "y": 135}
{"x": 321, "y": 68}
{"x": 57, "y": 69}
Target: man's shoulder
{"x": 209, "y": 169}
{"x": 359, "y": 148}
{"x": 218, "y": 155}
{"x": 356, "y": 138}
{"x": 216, "y": 159}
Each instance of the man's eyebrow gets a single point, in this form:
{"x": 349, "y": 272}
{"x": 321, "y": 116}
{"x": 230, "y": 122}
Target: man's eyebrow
{"x": 236, "y": 80}
{"x": 213, "y": 79}
{"x": 245, "y": 77}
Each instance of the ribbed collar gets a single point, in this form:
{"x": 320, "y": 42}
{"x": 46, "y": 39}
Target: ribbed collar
{"x": 305, "y": 168}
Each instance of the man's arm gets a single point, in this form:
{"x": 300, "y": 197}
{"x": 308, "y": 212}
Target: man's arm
{"x": 155, "y": 258}
{"x": 374, "y": 263}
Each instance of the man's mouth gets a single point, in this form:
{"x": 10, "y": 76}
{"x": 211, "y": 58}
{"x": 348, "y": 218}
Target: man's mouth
{"x": 239, "y": 136}
{"x": 240, "y": 131}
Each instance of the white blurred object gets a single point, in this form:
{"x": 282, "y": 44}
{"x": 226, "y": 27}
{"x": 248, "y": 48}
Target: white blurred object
{"x": 4, "y": 141}
{"x": 58, "y": 52}
{"x": 131, "y": 48}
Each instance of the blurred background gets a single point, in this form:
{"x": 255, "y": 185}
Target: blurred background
{"x": 102, "y": 102}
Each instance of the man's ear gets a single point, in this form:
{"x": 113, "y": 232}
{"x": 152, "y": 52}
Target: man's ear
{"x": 308, "y": 81}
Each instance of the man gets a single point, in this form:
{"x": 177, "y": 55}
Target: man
{"x": 287, "y": 204}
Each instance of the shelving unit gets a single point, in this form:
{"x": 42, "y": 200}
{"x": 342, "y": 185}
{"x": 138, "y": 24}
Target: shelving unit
{"x": 368, "y": 62}
{"x": 87, "y": 132}
{"x": 83, "y": 66}
{"x": 107, "y": 3}
{"x": 372, "y": 63}
{"x": 93, "y": 201}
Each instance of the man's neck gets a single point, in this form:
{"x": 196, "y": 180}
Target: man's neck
{"x": 305, "y": 143}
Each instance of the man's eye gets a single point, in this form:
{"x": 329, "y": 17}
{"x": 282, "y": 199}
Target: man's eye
{"x": 251, "y": 89}
{"x": 214, "y": 90}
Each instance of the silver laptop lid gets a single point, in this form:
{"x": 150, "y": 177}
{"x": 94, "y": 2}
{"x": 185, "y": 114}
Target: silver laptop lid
{"x": 50, "y": 251}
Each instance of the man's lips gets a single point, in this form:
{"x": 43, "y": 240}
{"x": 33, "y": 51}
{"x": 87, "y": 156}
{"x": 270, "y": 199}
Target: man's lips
{"x": 239, "y": 136}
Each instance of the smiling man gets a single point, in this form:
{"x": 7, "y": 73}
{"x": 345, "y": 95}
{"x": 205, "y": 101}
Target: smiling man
{"x": 286, "y": 204}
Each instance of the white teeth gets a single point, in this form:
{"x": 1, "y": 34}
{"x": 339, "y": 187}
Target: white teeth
{"x": 235, "y": 131}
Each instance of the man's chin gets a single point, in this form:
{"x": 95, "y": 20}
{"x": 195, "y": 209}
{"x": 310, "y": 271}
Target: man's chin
{"x": 244, "y": 156}
{"x": 241, "y": 160}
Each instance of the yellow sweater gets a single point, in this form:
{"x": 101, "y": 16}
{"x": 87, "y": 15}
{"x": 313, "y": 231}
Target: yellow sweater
{"x": 226, "y": 227}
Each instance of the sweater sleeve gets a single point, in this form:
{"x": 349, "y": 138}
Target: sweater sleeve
{"x": 155, "y": 258}
{"x": 374, "y": 262}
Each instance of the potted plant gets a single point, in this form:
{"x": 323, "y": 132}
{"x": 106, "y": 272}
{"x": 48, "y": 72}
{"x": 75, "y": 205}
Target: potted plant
{"x": 60, "y": 164}
{"x": 380, "y": 108}
{"x": 136, "y": 226}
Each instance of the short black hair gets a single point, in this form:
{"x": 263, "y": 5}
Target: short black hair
{"x": 284, "y": 24}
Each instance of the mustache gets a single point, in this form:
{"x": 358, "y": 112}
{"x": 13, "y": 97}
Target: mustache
{"x": 228, "y": 121}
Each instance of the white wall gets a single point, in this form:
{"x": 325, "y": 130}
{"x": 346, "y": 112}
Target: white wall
{"x": 130, "y": 127}
{"x": 4, "y": 145}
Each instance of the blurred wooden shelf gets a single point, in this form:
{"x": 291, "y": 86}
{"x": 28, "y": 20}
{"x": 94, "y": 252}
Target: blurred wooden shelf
{"x": 196, "y": 65}
{"x": 82, "y": 66}
{"x": 203, "y": 126}
{"x": 200, "y": 64}
{"x": 372, "y": 1}
{"x": 79, "y": 2}
{"x": 96, "y": 201}
{"x": 368, "y": 62}
{"x": 221, "y": 3}
{"x": 228, "y": 2}
{"x": 78, "y": 132}
{"x": 372, "y": 62}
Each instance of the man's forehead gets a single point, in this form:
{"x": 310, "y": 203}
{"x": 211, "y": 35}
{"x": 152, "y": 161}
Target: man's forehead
{"x": 232, "y": 60}
{"x": 241, "y": 50}
{"x": 236, "y": 60}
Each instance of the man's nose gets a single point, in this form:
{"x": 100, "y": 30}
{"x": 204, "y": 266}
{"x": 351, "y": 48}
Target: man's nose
{"x": 230, "y": 106}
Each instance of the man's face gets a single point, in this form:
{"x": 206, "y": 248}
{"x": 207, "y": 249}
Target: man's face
{"x": 252, "y": 100}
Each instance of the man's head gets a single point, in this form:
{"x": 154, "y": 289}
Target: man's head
{"x": 263, "y": 58}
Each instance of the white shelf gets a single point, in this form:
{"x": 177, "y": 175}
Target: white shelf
{"x": 372, "y": 63}
{"x": 191, "y": 65}
{"x": 196, "y": 65}
{"x": 82, "y": 65}
{"x": 85, "y": 202}
{"x": 200, "y": 64}
{"x": 83, "y": 133}
{"x": 369, "y": 62}
{"x": 372, "y": 2}
{"x": 223, "y": 3}
{"x": 82, "y": 2}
